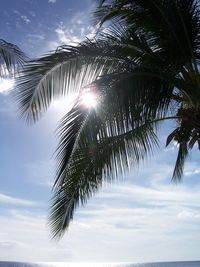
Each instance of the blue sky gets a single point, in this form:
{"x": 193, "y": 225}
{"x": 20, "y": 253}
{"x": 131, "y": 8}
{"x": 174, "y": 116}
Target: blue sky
{"x": 142, "y": 218}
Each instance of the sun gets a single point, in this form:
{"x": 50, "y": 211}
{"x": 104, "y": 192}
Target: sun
{"x": 6, "y": 85}
{"x": 89, "y": 98}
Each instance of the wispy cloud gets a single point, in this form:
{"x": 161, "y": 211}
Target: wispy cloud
{"x": 74, "y": 30}
{"x": 6, "y": 199}
{"x": 164, "y": 195}
{"x": 9, "y": 244}
{"x": 192, "y": 168}
{"x": 65, "y": 35}
{"x": 25, "y": 19}
{"x": 189, "y": 215}
{"x": 52, "y": 1}
{"x": 32, "y": 236}
{"x": 119, "y": 218}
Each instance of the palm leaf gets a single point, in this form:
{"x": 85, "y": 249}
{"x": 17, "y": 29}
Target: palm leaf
{"x": 172, "y": 27}
{"x": 66, "y": 71}
{"x": 179, "y": 166}
{"x": 11, "y": 58}
{"x": 96, "y": 159}
{"x": 68, "y": 132}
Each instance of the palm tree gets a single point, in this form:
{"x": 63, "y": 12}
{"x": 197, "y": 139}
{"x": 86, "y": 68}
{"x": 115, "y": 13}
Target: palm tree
{"x": 143, "y": 69}
{"x": 11, "y": 59}
{"x": 172, "y": 27}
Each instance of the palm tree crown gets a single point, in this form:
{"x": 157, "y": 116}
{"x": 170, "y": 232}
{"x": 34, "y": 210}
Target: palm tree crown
{"x": 143, "y": 67}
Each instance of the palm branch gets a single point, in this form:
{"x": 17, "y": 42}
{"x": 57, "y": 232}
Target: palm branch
{"x": 94, "y": 162}
{"x": 11, "y": 58}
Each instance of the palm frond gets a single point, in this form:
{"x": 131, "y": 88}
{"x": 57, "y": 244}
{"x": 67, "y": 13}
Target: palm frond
{"x": 135, "y": 97}
{"x": 68, "y": 132}
{"x": 172, "y": 27}
{"x": 11, "y": 58}
{"x": 112, "y": 11}
{"x": 66, "y": 71}
{"x": 98, "y": 157}
{"x": 179, "y": 166}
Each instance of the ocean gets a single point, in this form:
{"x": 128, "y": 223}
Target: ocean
{"x": 157, "y": 264}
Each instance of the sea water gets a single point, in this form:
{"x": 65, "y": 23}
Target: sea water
{"x": 158, "y": 264}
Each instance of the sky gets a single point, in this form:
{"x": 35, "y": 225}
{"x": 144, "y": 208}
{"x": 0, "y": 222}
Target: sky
{"x": 144, "y": 217}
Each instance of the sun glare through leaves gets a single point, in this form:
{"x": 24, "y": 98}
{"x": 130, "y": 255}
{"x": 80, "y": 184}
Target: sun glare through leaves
{"x": 6, "y": 85}
{"x": 89, "y": 98}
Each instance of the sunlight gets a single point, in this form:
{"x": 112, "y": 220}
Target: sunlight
{"x": 6, "y": 85}
{"x": 64, "y": 104}
{"x": 89, "y": 99}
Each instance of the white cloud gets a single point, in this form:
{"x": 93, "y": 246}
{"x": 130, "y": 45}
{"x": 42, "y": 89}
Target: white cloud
{"x": 22, "y": 16}
{"x": 70, "y": 35}
{"x": 6, "y": 199}
{"x": 103, "y": 228}
{"x": 118, "y": 219}
{"x": 192, "y": 171}
{"x": 25, "y": 19}
{"x": 127, "y": 215}
{"x": 188, "y": 214}
{"x": 163, "y": 196}
{"x": 25, "y": 231}
{"x": 135, "y": 219}
{"x": 65, "y": 36}
{"x": 172, "y": 146}
{"x": 73, "y": 31}
{"x": 52, "y": 1}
